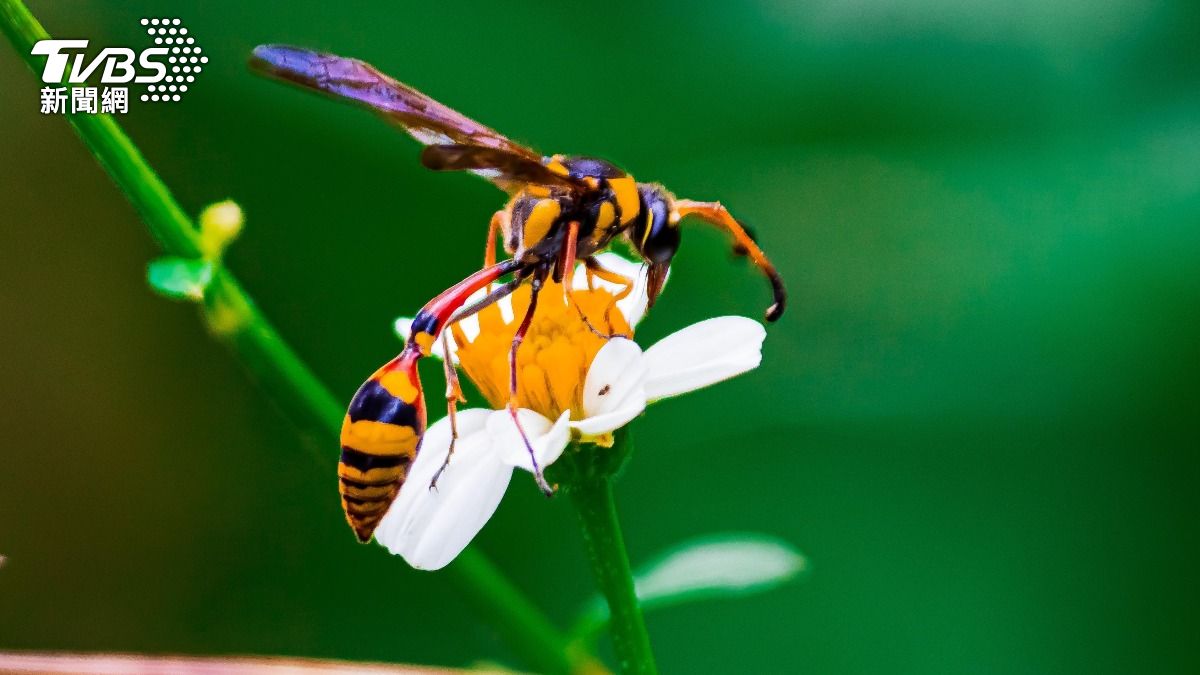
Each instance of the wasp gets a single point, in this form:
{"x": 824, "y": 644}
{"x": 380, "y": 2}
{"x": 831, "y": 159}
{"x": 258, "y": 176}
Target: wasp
{"x": 561, "y": 210}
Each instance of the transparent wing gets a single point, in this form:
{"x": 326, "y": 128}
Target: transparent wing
{"x": 496, "y": 158}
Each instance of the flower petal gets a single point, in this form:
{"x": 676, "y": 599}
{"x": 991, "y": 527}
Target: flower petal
{"x": 548, "y": 439}
{"x": 614, "y": 390}
{"x": 430, "y": 527}
{"x": 702, "y": 354}
{"x": 632, "y": 306}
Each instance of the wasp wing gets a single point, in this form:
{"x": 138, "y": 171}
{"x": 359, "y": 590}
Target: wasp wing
{"x": 423, "y": 118}
{"x": 493, "y": 164}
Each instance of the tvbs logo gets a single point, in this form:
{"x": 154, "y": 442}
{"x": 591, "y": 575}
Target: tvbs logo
{"x": 166, "y": 70}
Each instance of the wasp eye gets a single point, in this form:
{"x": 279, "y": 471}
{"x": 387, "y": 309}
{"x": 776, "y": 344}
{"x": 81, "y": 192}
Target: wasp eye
{"x": 654, "y": 235}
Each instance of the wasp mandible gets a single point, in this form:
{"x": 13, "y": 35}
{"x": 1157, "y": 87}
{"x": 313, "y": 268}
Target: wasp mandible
{"x": 561, "y": 209}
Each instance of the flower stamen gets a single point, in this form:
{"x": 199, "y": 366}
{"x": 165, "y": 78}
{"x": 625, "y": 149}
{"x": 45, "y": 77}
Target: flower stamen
{"x": 558, "y": 348}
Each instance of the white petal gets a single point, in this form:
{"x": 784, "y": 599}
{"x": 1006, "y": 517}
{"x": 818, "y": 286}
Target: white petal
{"x": 470, "y": 325}
{"x": 702, "y": 354}
{"x": 548, "y": 440}
{"x": 470, "y": 328}
{"x": 430, "y": 527}
{"x": 403, "y": 327}
{"x": 619, "y": 371}
{"x": 610, "y": 261}
{"x": 506, "y": 312}
{"x": 632, "y": 306}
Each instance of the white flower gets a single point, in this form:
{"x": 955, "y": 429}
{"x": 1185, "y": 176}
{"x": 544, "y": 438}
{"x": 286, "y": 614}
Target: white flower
{"x": 573, "y": 385}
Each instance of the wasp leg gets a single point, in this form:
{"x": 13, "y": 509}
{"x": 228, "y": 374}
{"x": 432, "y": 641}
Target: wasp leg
{"x": 494, "y": 228}
{"x": 716, "y": 214}
{"x": 518, "y": 338}
{"x": 595, "y": 269}
{"x": 497, "y": 226}
{"x": 566, "y": 260}
{"x": 567, "y": 272}
{"x": 454, "y": 396}
{"x": 454, "y": 393}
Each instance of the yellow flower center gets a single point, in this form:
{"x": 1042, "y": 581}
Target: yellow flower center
{"x": 554, "y": 359}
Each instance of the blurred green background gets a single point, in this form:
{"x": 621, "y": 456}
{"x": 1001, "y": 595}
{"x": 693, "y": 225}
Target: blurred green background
{"x": 979, "y": 420}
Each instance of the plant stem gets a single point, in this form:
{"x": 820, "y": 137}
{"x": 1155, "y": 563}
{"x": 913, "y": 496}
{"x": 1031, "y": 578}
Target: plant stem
{"x": 235, "y": 320}
{"x": 591, "y": 489}
{"x": 497, "y": 599}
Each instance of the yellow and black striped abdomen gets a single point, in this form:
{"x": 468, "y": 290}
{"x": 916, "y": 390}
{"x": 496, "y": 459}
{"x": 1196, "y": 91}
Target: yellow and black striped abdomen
{"x": 380, "y": 438}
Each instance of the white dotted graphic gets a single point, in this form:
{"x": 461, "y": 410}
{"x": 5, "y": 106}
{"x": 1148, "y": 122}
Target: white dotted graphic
{"x": 169, "y": 34}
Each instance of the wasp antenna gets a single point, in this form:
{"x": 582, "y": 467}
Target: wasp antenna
{"x": 744, "y": 243}
{"x": 776, "y": 309}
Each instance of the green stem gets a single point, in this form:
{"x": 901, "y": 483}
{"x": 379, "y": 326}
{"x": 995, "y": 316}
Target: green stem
{"x": 590, "y": 484}
{"x": 235, "y": 320}
{"x": 527, "y": 630}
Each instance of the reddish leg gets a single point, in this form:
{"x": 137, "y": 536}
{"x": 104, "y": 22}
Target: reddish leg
{"x": 454, "y": 396}
{"x": 566, "y": 270}
{"x": 497, "y": 225}
{"x": 595, "y": 269}
{"x": 518, "y": 338}
{"x": 566, "y": 259}
{"x": 494, "y": 227}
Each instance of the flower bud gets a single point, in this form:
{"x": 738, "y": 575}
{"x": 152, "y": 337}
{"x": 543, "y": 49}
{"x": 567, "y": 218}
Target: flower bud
{"x": 220, "y": 224}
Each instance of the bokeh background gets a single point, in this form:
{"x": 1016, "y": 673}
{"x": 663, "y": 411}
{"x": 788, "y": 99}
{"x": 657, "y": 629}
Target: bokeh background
{"x": 979, "y": 419}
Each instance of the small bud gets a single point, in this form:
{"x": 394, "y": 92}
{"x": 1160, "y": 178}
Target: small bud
{"x": 220, "y": 224}
{"x": 226, "y": 314}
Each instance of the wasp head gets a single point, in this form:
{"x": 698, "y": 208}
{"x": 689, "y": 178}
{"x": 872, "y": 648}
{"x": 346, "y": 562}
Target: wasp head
{"x": 655, "y": 235}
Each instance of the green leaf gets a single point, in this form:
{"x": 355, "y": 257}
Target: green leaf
{"x": 715, "y": 566}
{"x": 180, "y": 278}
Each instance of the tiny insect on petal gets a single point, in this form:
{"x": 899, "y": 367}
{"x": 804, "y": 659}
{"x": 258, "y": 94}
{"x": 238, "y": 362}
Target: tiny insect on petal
{"x": 614, "y": 391}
